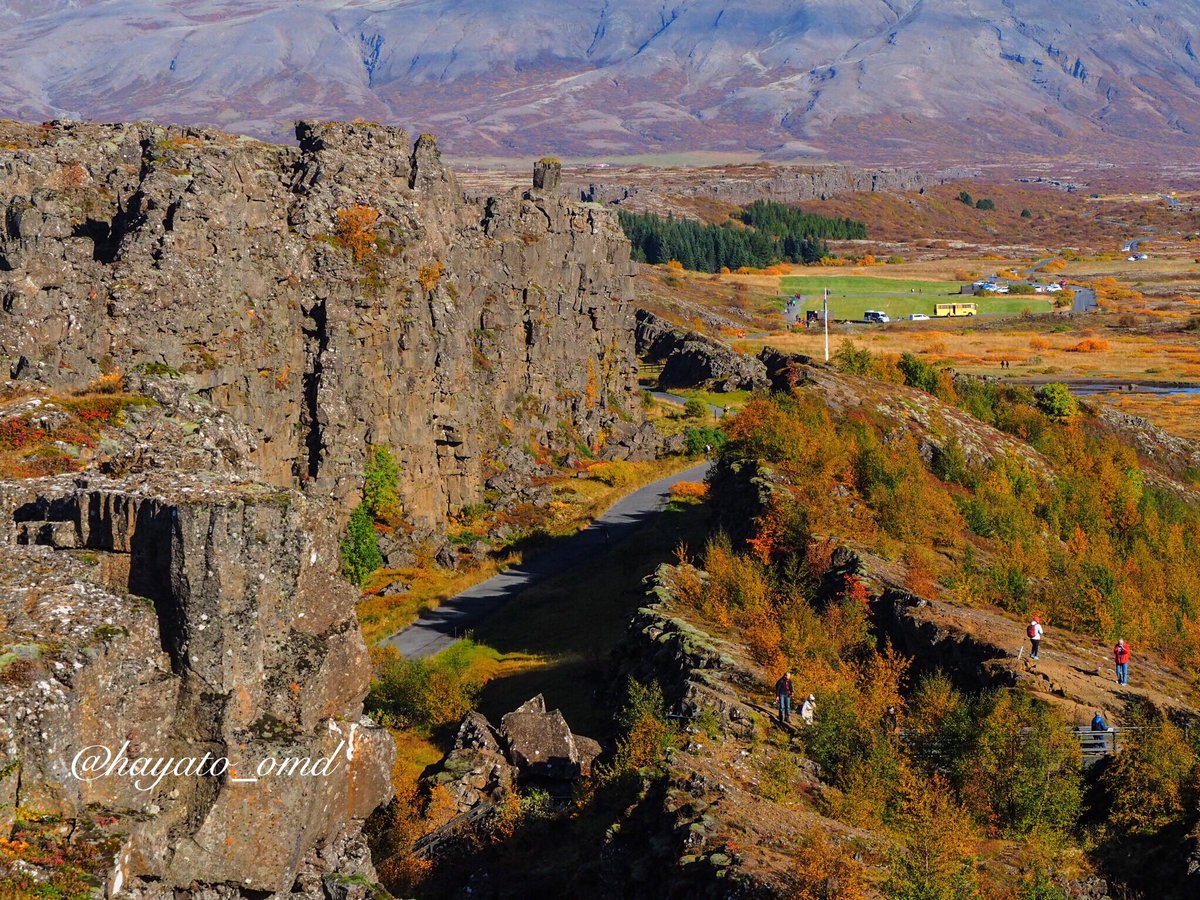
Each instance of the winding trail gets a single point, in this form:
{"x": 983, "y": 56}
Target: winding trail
{"x": 443, "y": 627}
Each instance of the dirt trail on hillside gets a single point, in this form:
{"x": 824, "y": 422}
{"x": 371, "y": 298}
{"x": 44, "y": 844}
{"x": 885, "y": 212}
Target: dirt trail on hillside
{"x": 1075, "y": 672}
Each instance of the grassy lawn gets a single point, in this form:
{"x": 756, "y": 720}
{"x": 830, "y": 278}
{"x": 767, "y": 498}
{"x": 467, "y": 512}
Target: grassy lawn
{"x": 851, "y": 295}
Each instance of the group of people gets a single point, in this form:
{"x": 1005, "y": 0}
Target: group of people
{"x": 784, "y": 692}
{"x": 1120, "y": 649}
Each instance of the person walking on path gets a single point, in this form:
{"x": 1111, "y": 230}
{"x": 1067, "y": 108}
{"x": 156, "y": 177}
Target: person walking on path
{"x": 1121, "y": 655}
{"x": 1035, "y": 636}
{"x": 783, "y": 696}
{"x": 807, "y": 709}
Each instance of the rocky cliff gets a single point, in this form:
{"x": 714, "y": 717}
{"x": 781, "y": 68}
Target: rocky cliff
{"x": 742, "y": 185}
{"x": 170, "y": 618}
{"x": 330, "y": 296}
{"x": 251, "y": 318}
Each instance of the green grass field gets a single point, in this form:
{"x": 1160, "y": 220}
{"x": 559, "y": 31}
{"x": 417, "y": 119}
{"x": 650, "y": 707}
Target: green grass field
{"x": 850, "y": 296}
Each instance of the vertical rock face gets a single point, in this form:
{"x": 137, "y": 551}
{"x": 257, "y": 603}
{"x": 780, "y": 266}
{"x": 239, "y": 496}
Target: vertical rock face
{"x": 330, "y": 296}
{"x": 175, "y": 619}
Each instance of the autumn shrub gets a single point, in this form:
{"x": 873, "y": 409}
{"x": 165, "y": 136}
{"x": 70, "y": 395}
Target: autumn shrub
{"x": 1153, "y": 780}
{"x": 647, "y": 732}
{"x": 689, "y": 490}
{"x": 937, "y": 841}
{"x": 112, "y": 382}
{"x": 1024, "y": 771}
{"x": 430, "y": 275}
{"x": 355, "y": 230}
{"x": 853, "y": 360}
{"x": 826, "y": 869}
{"x": 1039, "y": 343}
{"x": 1091, "y": 345}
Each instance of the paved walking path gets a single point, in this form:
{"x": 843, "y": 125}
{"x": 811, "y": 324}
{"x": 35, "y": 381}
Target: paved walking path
{"x": 442, "y": 627}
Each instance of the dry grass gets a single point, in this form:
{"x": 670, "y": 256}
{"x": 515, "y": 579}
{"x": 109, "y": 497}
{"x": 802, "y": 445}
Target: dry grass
{"x": 1179, "y": 415}
{"x": 1032, "y": 353}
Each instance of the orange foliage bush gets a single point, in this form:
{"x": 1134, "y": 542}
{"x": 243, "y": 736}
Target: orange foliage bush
{"x": 1039, "y": 343}
{"x": 429, "y": 276}
{"x": 690, "y": 489}
{"x": 108, "y": 383}
{"x": 356, "y": 230}
{"x": 674, "y": 265}
{"x": 1091, "y": 345}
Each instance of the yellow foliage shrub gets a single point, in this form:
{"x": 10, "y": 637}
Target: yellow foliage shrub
{"x": 356, "y": 230}
{"x": 430, "y": 275}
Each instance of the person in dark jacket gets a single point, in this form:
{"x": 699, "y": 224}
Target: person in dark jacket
{"x": 1100, "y": 728}
{"x": 1121, "y": 655}
{"x": 783, "y": 696}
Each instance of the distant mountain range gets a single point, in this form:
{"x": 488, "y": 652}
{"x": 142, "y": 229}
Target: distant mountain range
{"x": 879, "y": 80}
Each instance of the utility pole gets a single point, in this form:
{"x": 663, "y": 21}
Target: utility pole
{"x": 825, "y": 307}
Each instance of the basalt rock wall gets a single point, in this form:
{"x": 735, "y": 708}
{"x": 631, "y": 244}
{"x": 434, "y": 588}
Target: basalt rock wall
{"x": 165, "y": 618}
{"x": 330, "y": 296}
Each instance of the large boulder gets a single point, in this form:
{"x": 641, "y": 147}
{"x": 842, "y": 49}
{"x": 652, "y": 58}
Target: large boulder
{"x": 691, "y": 359}
{"x": 540, "y": 743}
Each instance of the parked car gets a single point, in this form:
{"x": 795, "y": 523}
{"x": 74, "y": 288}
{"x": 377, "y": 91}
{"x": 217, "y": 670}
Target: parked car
{"x": 1142, "y": 256}
{"x": 877, "y": 316}
{"x": 1054, "y": 287}
{"x": 918, "y": 317}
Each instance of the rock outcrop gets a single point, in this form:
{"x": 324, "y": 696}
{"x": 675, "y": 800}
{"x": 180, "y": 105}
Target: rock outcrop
{"x": 691, "y": 359}
{"x": 330, "y": 296}
{"x": 166, "y": 618}
{"x": 742, "y": 185}
{"x": 532, "y": 744}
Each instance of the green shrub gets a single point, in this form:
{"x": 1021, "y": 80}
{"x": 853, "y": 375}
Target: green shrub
{"x": 380, "y": 486}
{"x": 966, "y": 198}
{"x": 360, "y": 547}
{"x": 696, "y": 438}
{"x": 423, "y": 693}
{"x": 695, "y": 408}
{"x": 1056, "y": 400}
{"x": 985, "y": 204}
{"x": 918, "y": 373}
{"x": 1026, "y": 214}
{"x": 854, "y": 360}
{"x": 1025, "y": 770}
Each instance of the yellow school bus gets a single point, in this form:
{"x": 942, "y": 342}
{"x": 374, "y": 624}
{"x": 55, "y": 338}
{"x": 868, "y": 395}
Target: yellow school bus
{"x": 955, "y": 309}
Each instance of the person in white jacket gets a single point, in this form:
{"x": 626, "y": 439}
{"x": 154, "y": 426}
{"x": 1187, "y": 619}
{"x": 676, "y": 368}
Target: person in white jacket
{"x": 1035, "y": 636}
{"x": 807, "y": 710}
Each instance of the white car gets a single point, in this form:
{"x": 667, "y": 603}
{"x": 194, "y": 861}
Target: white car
{"x": 876, "y": 316}
{"x": 918, "y": 317}
{"x": 1142, "y": 256}
{"x": 1054, "y": 287}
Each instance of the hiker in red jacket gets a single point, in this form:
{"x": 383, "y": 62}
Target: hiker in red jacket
{"x": 1121, "y": 655}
